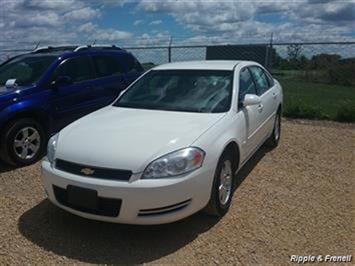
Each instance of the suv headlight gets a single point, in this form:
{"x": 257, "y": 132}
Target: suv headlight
{"x": 51, "y": 148}
{"x": 175, "y": 163}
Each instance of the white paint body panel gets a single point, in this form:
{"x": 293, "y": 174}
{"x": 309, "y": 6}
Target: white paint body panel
{"x": 123, "y": 138}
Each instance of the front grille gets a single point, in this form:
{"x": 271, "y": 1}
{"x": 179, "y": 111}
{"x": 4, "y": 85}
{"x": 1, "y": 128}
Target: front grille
{"x": 105, "y": 206}
{"x": 164, "y": 210}
{"x": 92, "y": 171}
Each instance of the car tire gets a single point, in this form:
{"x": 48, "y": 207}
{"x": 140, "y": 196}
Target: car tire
{"x": 23, "y": 142}
{"x": 222, "y": 188}
{"x": 273, "y": 140}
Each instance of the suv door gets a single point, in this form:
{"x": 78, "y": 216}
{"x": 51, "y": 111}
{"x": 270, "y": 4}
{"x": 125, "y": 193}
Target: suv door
{"x": 70, "y": 101}
{"x": 267, "y": 106}
{"x": 251, "y": 113}
{"x": 110, "y": 80}
{"x": 133, "y": 68}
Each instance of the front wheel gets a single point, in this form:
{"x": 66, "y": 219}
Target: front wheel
{"x": 222, "y": 188}
{"x": 23, "y": 142}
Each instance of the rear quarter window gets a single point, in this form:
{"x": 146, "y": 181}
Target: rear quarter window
{"x": 133, "y": 66}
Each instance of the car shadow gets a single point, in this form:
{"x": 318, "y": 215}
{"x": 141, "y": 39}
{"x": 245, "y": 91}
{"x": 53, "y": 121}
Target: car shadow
{"x": 105, "y": 243}
{"x": 5, "y": 167}
{"x": 250, "y": 165}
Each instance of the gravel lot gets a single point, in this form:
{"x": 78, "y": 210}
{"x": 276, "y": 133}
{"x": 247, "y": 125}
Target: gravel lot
{"x": 297, "y": 199}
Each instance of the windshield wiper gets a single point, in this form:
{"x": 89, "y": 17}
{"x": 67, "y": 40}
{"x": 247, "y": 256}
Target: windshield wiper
{"x": 158, "y": 107}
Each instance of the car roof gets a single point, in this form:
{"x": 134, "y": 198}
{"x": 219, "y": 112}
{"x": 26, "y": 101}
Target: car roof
{"x": 68, "y": 51}
{"x": 205, "y": 65}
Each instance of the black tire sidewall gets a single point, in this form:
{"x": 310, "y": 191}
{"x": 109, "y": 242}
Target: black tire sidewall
{"x": 273, "y": 142}
{"x": 9, "y": 136}
{"x": 222, "y": 209}
{"x": 278, "y": 115}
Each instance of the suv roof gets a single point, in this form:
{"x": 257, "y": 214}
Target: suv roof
{"x": 50, "y": 49}
{"x": 69, "y": 51}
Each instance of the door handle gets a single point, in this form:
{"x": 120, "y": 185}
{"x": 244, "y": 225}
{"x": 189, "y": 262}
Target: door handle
{"x": 274, "y": 95}
{"x": 260, "y": 107}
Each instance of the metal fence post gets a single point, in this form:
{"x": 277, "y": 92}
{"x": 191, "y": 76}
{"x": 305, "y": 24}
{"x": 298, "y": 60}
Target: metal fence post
{"x": 169, "y": 49}
{"x": 271, "y": 54}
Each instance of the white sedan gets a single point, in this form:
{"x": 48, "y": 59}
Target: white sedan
{"x": 169, "y": 146}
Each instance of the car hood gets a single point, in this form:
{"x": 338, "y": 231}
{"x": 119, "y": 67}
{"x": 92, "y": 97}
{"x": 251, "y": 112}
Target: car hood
{"x": 6, "y": 91}
{"x": 11, "y": 92}
{"x": 129, "y": 139}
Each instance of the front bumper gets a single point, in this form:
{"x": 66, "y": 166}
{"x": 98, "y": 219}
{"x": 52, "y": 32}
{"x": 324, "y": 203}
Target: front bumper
{"x": 154, "y": 201}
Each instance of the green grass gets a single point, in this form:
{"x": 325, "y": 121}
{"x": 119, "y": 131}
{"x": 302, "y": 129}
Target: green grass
{"x": 313, "y": 100}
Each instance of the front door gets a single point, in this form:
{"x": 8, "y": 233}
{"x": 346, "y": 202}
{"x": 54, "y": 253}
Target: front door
{"x": 252, "y": 114}
{"x": 75, "y": 99}
{"x": 267, "y": 105}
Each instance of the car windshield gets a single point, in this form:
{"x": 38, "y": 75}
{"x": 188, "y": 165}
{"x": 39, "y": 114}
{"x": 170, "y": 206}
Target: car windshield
{"x": 25, "y": 69}
{"x": 207, "y": 91}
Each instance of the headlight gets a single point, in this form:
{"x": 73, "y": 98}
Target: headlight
{"x": 175, "y": 163}
{"x": 52, "y": 146}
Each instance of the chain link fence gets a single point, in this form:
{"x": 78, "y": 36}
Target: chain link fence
{"x": 318, "y": 78}
{"x": 268, "y": 54}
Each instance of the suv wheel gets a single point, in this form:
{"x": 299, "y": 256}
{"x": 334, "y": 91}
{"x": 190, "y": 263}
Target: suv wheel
{"x": 23, "y": 141}
{"x": 222, "y": 189}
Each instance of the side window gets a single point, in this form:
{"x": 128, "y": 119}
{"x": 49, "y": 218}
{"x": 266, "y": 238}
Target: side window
{"x": 270, "y": 79}
{"x": 260, "y": 79}
{"x": 107, "y": 66}
{"x": 77, "y": 68}
{"x": 246, "y": 84}
{"x": 133, "y": 65}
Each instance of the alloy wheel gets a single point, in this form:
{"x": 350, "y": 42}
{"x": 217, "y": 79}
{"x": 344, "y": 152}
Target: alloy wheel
{"x": 225, "y": 187}
{"x": 27, "y": 143}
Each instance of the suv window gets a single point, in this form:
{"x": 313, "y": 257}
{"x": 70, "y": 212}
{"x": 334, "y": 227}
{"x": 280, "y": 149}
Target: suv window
{"x": 107, "y": 66}
{"x": 77, "y": 68}
{"x": 25, "y": 69}
{"x": 133, "y": 65}
{"x": 260, "y": 79}
{"x": 246, "y": 84}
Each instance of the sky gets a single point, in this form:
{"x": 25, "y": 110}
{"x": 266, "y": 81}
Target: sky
{"x": 147, "y": 22}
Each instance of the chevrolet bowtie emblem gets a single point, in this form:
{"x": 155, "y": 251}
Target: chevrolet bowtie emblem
{"x": 87, "y": 171}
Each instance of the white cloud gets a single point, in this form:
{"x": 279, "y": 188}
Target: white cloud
{"x": 93, "y": 32}
{"x": 87, "y": 27}
{"x": 138, "y": 22}
{"x": 111, "y": 35}
{"x": 55, "y": 22}
{"x": 155, "y": 22}
{"x": 241, "y": 21}
{"x": 85, "y": 13}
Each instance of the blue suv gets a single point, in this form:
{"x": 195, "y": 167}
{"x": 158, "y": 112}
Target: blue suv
{"x": 45, "y": 90}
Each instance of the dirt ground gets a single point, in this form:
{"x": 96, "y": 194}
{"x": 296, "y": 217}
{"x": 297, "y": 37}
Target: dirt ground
{"x": 295, "y": 200}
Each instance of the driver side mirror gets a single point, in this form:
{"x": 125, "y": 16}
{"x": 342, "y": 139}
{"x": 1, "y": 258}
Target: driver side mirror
{"x": 251, "y": 99}
{"x": 62, "y": 81}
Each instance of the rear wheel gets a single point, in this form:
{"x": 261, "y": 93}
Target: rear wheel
{"x": 222, "y": 189}
{"x": 274, "y": 139}
{"x": 23, "y": 142}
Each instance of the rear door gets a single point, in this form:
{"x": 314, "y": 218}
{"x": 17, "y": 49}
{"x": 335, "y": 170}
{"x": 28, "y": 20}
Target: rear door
{"x": 133, "y": 67}
{"x": 251, "y": 113}
{"x": 266, "y": 93}
{"x": 111, "y": 78}
{"x": 72, "y": 101}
